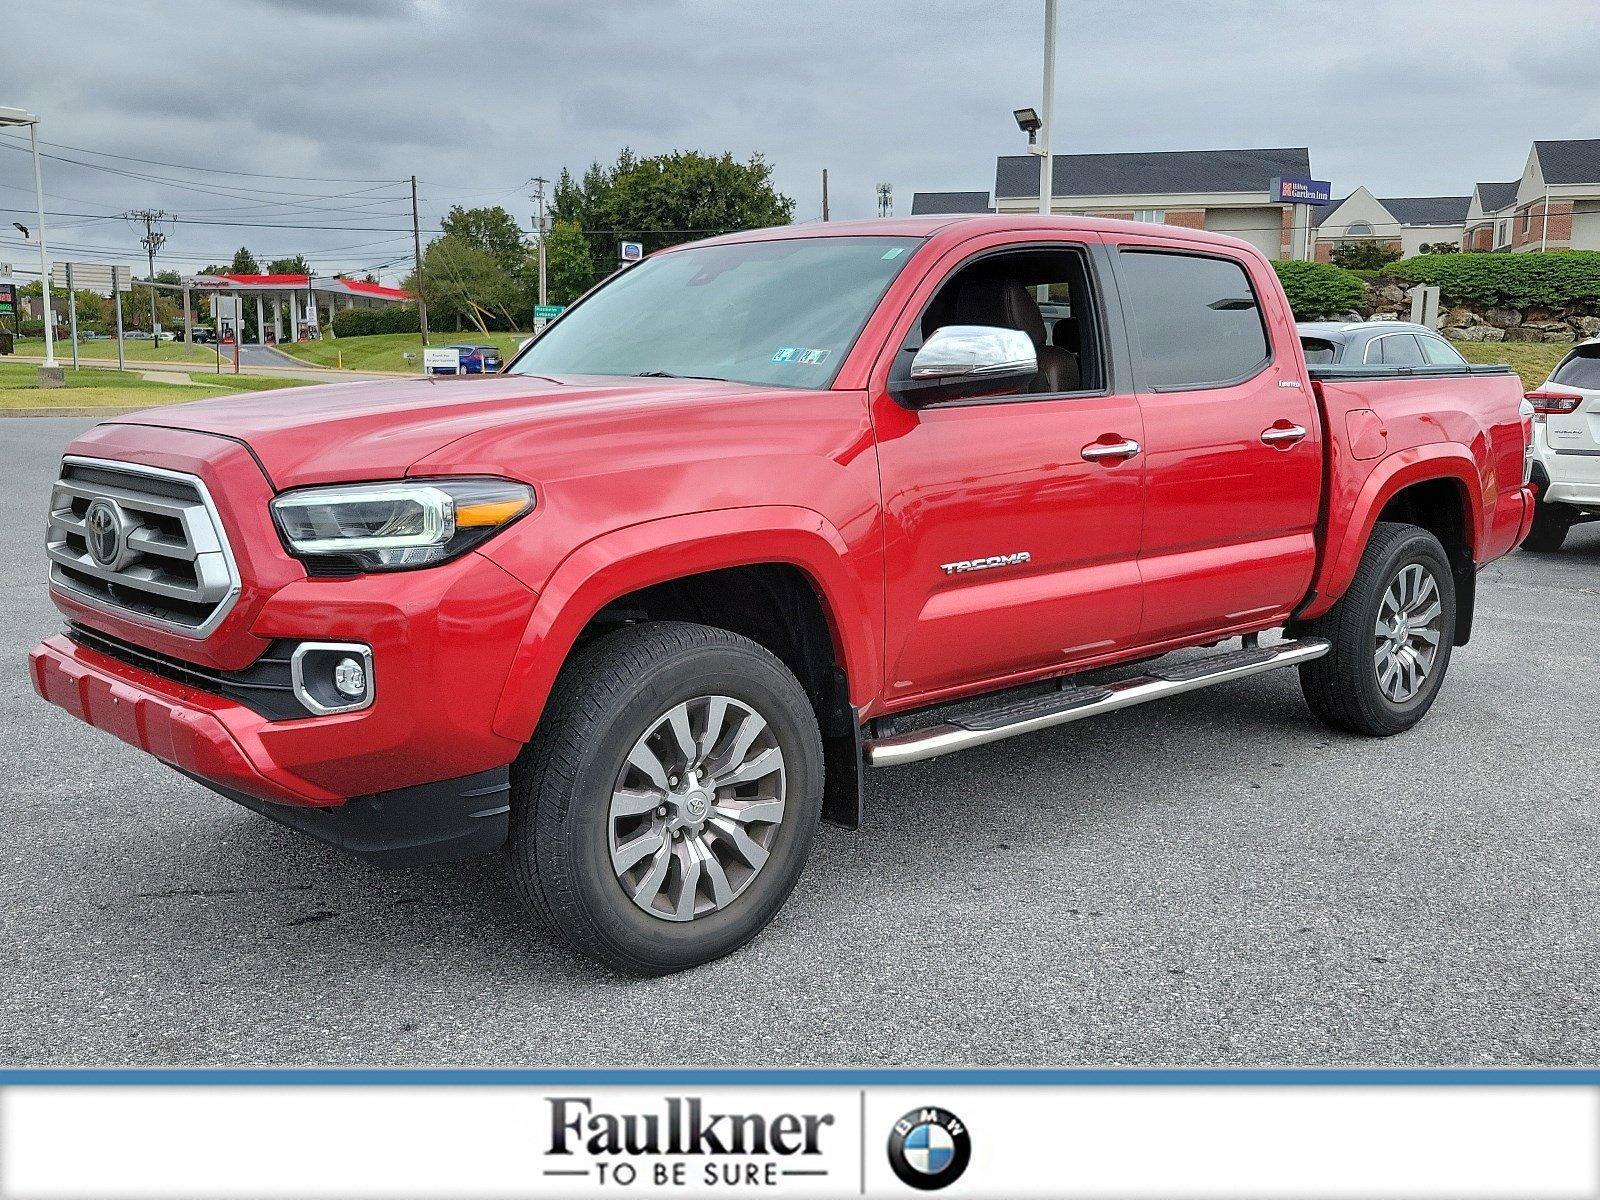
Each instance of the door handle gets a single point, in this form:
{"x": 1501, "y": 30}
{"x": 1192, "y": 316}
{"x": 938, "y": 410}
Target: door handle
{"x": 1283, "y": 436}
{"x": 1098, "y": 451}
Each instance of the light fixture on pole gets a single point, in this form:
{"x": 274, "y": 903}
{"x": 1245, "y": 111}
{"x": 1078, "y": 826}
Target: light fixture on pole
{"x": 17, "y": 116}
{"x": 1038, "y": 128}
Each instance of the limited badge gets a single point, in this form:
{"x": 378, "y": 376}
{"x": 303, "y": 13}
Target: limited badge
{"x": 929, "y": 1148}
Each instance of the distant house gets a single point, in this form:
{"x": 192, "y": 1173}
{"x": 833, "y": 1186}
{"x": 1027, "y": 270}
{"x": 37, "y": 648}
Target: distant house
{"x": 1402, "y": 223}
{"x": 1489, "y": 216}
{"x": 1557, "y": 206}
{"x": 934, "y": 204}
{"x": 1227, "y": 191}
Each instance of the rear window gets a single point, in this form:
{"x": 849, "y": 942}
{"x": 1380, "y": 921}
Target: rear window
{"x": 1196, "y": 318}
{"x": 1319, "y": 350}
{"x": 1580, "y": 369}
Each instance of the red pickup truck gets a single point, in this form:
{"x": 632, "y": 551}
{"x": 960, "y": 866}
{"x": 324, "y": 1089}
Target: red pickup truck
{"x": 747, "y": 519}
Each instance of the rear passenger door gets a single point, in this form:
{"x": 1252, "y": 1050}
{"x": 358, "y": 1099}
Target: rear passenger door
{"x": 1233, "y": 453}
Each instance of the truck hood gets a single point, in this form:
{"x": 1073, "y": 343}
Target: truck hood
{"x": 355, "y": 431}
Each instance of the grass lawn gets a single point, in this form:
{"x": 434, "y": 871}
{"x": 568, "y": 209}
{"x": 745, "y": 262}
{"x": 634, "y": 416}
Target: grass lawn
{"x": 96, "y": 388}
{"x": 386, "y": 351}
{"x": 1532, "y": 360}
{"x": 98, "y": 351}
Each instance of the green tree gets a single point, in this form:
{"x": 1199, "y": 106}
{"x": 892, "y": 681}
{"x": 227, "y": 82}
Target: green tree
{"x": 289, "y": 266}
{"x": 492, "y": 230}
{"x": 568, "y": 267}
{"x": 244, "y": 263}
{"x": 664, "y": 200}
{"x": 1363, "y": 256}
{"x": 461, "y": 280}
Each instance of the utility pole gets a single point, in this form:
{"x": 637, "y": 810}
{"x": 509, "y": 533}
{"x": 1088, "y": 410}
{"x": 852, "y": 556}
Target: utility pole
{"x": 1047, "y": 130}
{"x": 152, "y": 239}
{"x": 416, "y": 252}
{"x": 538, "y": 183}
{"x": 824, "y": 193}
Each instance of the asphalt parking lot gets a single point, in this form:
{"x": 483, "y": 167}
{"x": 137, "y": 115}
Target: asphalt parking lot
{"x": 1215, "y": 880}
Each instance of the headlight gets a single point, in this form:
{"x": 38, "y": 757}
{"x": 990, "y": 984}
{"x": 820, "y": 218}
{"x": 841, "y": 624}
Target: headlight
{"x": 391, "y": 526}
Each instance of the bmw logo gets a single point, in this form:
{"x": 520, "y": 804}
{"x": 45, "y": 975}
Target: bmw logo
{"x": 929, "y": 1148}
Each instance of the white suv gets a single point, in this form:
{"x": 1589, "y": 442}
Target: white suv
{"x": 1566, "y": 438}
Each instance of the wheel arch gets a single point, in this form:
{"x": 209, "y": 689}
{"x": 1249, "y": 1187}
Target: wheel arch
{"x": 1437, "y": 487}
{"x": 721, "y": 569}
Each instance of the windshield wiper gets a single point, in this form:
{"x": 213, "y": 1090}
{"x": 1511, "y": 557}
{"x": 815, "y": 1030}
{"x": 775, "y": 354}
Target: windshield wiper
{"x": 675, "y": 375}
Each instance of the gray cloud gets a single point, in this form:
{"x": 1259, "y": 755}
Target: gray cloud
{"x": 475, "y": 96}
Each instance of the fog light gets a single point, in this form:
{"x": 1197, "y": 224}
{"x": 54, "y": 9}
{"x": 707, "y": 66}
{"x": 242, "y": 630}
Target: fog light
{"x": 350, "y": 678}
{"x": 332, "y": 677}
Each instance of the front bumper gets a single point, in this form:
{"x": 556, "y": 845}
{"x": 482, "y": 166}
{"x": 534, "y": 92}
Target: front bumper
{"x": 205, "y": 737}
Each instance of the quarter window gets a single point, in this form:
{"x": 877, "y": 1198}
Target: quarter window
{"x": 1196, "y": 319}
{"x": 1394, "y": 350}
{"x": 1440, "y": 352}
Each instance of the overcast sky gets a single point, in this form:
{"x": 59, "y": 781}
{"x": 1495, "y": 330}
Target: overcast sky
{"x": 1410, "y": 97}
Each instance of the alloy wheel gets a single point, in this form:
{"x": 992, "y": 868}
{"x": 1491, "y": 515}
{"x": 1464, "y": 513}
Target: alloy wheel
{"x": 696, "y": 807}
{"x": 1407, "y": 635}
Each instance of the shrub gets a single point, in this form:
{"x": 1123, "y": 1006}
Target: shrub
{"x": 1317, "y": 290}
{"x": 1367, "y": 256}
{"x": 1508, "y": 280}
{"x": 362, "y": 322}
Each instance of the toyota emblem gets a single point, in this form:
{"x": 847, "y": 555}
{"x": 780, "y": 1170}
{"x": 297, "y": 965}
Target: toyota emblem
{"x": 102, "y": 526}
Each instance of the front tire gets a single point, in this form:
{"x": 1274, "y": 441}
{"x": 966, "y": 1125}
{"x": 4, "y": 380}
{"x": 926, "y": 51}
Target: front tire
{"x": 1392, "y": 634}
{"x": 1551, "y": 524}
{"x": 665, "y": 807}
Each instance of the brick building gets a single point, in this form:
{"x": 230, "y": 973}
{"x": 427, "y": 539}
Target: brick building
{"x": 1227, "y": 191}
{"x": 1403, "y": 224}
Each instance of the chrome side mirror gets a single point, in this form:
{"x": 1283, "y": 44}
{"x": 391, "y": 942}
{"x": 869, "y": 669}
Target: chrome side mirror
{"x": 964, "y": 360}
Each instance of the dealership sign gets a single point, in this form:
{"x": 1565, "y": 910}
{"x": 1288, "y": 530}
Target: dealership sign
{"x": 1294, "y": 189}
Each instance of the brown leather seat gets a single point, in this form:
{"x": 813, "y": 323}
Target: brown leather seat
{"x": 1006, "y": 303}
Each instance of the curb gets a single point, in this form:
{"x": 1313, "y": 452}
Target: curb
{"x": 75, "y": 412}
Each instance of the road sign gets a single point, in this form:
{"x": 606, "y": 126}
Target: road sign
{"x": 99, "y": 278}
{"x": 548, "y": 312}
{"x": 6, "y": 274}
{"x": 631, "y": 251}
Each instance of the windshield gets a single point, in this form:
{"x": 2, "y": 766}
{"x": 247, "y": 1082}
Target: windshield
{"x": 781, "y": 312}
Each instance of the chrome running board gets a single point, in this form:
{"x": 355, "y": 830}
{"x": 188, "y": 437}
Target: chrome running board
{"x": 1076, "y": 703}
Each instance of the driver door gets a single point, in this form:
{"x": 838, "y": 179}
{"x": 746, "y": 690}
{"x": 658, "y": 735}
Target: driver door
{"x": 1010, "y": 552}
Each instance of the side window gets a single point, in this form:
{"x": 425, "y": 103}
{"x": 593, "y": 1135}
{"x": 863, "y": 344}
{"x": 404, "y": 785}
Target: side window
{"x": 1439, "y": 352}
{"x": 1046, "y": 294}
{"x": 1196, "y": 319}
{"x": 1395, "y": 350}
{"x": 1319, "y": 351}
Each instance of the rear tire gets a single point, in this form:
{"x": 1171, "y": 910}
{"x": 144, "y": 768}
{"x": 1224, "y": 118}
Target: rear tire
{"x": 1551, "y": 524}
{"x": 664, "y": 809}
{"x": 1392, "y": 634}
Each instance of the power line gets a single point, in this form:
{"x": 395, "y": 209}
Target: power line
{"x": 152, "y": 162}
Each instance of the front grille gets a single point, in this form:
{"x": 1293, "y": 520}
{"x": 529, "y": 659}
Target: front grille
{"x": 153, "y": 548}
{"x": 265, "y": 686}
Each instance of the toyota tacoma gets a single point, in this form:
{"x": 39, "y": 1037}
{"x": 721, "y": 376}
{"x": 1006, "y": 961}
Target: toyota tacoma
{"x": 756, "y": 514}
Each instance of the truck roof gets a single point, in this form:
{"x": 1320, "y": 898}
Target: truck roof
{"x": 971, "y": 225}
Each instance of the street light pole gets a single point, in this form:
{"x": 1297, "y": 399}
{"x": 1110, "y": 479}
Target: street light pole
{"x": 17, "y": 116}
{"x": 1047, "y": 129}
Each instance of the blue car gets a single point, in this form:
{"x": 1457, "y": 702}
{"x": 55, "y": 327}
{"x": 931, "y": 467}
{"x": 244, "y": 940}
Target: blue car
{"x": 478, "y": 360}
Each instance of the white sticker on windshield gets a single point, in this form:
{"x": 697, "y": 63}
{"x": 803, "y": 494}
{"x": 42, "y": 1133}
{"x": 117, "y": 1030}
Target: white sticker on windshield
{"x": 799, "y": 354}
{"x": 893, "y": 253}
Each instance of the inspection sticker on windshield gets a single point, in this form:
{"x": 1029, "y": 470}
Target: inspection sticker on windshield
{"x": 799, "y": 354}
